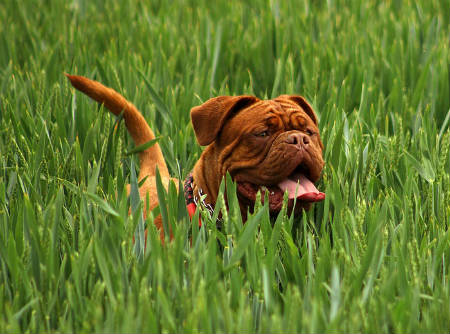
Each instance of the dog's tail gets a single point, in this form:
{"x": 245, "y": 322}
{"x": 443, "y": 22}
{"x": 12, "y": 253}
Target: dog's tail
{"x": 134, "y": 121}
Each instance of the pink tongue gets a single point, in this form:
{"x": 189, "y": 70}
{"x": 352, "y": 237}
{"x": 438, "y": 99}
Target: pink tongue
{"x": 298, "y": 185}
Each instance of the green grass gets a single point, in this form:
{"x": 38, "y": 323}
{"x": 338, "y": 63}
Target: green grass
{"x": 373, "y": 257}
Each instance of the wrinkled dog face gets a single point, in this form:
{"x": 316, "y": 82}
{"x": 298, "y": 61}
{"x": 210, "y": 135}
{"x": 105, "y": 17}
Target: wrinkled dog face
{"x": 274, "y": 146}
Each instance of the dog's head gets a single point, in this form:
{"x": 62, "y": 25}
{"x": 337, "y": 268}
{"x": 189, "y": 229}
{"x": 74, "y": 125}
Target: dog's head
{"x": 268, "y": 145}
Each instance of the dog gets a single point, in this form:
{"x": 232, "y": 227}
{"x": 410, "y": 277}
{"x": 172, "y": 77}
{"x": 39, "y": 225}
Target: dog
{"x": 270, "y": 146}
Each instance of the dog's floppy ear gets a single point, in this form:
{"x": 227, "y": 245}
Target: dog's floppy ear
{"x": 300, "y": 100}
{"x": 209, "y": 118}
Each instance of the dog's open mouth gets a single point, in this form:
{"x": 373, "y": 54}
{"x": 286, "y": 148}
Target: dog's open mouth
{"x": 300, "y": 189}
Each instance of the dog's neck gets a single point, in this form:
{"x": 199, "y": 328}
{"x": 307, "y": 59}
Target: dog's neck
{"x": 207, "y": 175}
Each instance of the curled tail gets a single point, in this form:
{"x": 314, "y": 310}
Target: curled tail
{"x": 134, "y": 121}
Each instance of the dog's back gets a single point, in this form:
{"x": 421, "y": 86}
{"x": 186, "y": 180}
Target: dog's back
{"x": 140, "y": 132}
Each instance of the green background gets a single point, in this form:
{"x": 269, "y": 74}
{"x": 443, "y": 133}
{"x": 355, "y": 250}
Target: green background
{"x": 373, "y": 257}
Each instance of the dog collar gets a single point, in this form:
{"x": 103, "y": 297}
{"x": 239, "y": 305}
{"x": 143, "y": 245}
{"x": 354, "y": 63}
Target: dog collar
{"x": 193, "y": 201}
{"x": 189, "y": 196}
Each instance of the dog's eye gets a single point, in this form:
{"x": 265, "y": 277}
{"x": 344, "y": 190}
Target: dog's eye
{"x": 262, "y": 134}
{"x": 309, "y": 132}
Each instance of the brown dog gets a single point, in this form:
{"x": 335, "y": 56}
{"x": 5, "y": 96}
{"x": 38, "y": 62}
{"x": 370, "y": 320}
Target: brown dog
{"x": 271, "y": 145}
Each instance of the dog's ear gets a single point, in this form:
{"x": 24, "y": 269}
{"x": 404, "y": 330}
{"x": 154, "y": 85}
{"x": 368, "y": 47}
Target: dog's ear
{"x": 300, "y": 101}
{"x": 209, "y": 118}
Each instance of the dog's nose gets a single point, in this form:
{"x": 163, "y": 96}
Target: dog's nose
{"x": 298, "y": 139}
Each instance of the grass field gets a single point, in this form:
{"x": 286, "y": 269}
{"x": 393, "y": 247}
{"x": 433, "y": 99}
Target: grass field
{"x": 373, "y": 257}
